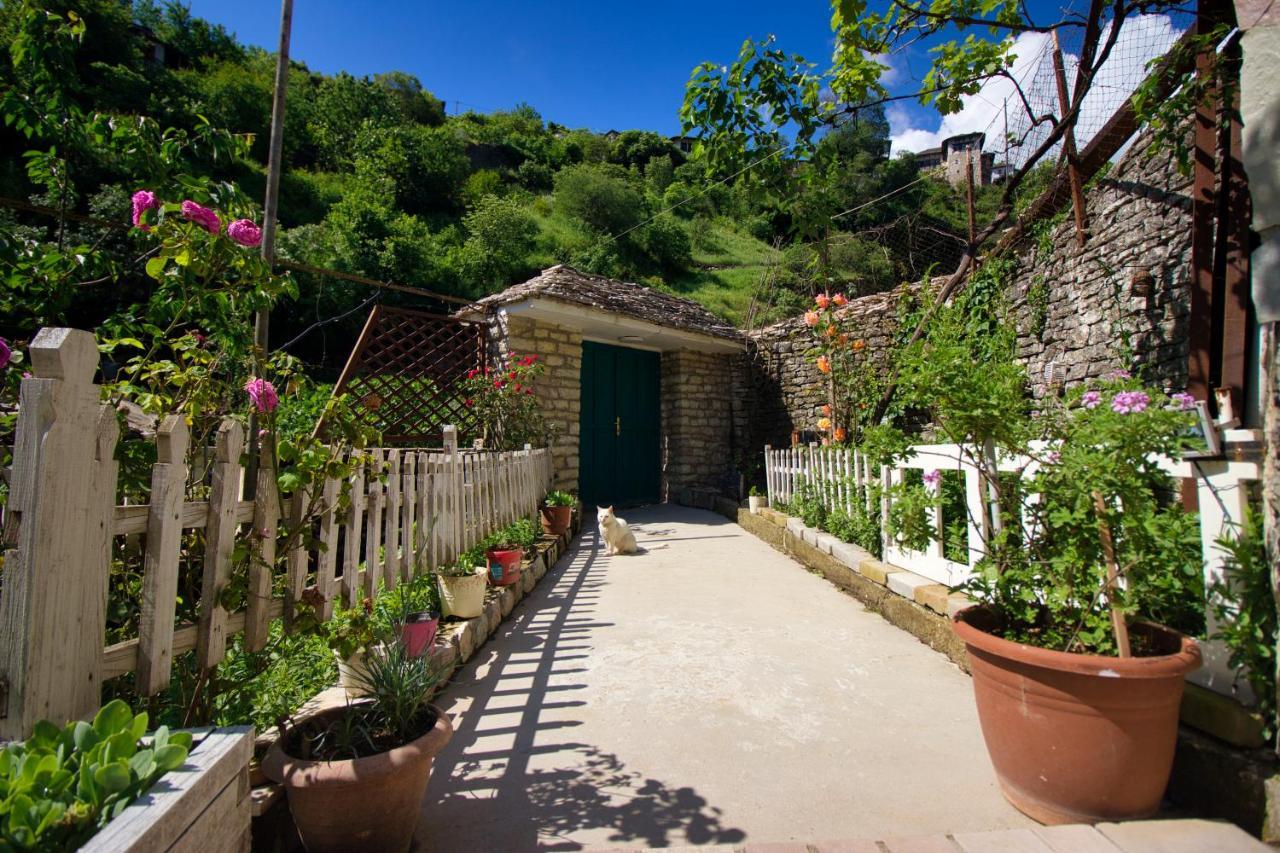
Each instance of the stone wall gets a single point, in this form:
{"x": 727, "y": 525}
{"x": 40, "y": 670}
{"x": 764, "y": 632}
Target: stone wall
{"x": 559, "y": 389}
{"x": 1079, "y": 312}
{"x": 697, "y": 423}
{"x": 1123, "y": 300}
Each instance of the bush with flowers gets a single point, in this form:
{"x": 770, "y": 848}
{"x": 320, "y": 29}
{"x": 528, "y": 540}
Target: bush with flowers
{"x": 851, "y": 378}
{"x": 503, "y": 407}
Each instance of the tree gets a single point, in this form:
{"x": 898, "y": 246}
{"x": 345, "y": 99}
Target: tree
{"x": 500, "y": 236}
{"x": 343, "y": 106}
{"x": 415, "y": 103}
{"x": 637, "y": 147}
{"x": 600, "y": 196}
{"x": 422, "y": 167}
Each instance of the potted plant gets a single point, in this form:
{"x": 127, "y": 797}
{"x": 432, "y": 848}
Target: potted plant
{"x": 557, "y": 512}
{"x": 353, "y": 638}
{"x": 413, "y": 608}
{"x": 60, "y": 786}
{"x": 462, "y": 587}
{"x": 503, "y": 558}
{"x": 756, "y": 500}
{"x": 355, "y": 775}
{"x": 1078, "y": 647}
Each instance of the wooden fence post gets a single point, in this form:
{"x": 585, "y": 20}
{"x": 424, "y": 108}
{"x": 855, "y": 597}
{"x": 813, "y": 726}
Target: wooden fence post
{"x": 53, "y": 611}
{"x": 220, "y": 540}
{"x": 164, "y": 548}
{"x": 266, "y": 523}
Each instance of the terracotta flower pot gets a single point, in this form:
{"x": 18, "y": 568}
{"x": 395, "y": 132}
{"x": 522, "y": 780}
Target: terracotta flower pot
{"x": 555, "y": 519}
{"x": 462, "y": 595}
{"x": 1078, "y": 738}
{"x": 504, "y": 565}
{"x": 418, "y": 632}
{"x": 371, "y": 803}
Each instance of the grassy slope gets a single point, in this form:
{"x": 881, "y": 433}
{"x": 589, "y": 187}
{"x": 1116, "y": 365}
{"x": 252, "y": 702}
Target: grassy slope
{"x": 726, "y": 272}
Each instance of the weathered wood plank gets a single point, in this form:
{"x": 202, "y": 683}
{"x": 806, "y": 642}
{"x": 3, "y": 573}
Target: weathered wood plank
{"x": 132, "y": 518}
{"x": 160, "y": 564}
{"x": 120, "y": 658}
{"x": 409, "y": 517}
{"x": 53, "y": 608}
{"x": 159, "y": 817}
{"x": 354, "y": 536}
{"x": 391, "y": 522}
{"x": 373, "y": 539}
{"x": 220, "y": 534}
{"x": 266, "y": 520}
{"x": 327, "y": 559}
{"x": 298, "y": 558}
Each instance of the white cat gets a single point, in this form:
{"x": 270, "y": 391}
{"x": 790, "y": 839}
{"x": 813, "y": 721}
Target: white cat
{"x": 614, "y": 532}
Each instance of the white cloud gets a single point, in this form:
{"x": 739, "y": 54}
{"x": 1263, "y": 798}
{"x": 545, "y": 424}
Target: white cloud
{"x": 1143, "y": 38}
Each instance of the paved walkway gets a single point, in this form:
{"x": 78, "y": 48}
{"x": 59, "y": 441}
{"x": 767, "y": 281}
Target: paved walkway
{"x": 706, "y": 691}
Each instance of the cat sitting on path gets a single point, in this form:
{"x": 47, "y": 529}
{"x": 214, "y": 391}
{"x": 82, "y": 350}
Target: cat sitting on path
{"x": 614, "y": 532}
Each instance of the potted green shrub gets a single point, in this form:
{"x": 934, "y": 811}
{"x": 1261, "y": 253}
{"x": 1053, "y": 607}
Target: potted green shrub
{"x": 756, "y": 500}
{"x": 353, "y": 638}
{"x": 462, "y": 587}
{"x": 557, "y": 512}
{"x": 355, "y": 775}
{"x": 60, "y": 786}
{"x": 1078, "y": 646}
{"x": 413, "y": 609}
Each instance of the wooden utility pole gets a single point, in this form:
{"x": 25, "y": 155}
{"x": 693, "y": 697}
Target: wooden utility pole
{"x": 262, "y": 322}
{"x": 968, "y": 178}
{"x": 1069, "y": 143}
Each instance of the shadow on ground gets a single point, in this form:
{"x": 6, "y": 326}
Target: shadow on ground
{"x": 512, "y": 778}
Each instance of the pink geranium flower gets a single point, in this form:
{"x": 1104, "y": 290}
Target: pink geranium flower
{"x": 262, "y": 394}
{"x": 1091, "y": 399}
{"x": 932, "y": 478}
{"x": 202, "y": 216}
{"x": 1130, "y": 402}
{"x": 1183, "y": 400}
{"x": 143, "y": 200}
{"x": 811, "y": 318}
{"x": 244, "y": 232}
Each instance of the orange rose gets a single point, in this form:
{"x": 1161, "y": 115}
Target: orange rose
{"x": 823, "y": 364}
{"x": 822, "y": 300}
{"x": 811, "y": 318}
{"x": 839, "y": 299}
{"x": 831, "y": 331}
{"x": 841, "y": 434}
{"x": 826, "y": 410}
{"x": 859, "y": 345}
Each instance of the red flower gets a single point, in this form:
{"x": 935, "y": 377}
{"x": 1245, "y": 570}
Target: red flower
{"x": 529, "y": 391}
{"x": 486, "y": 371}
{"x": 471, "y": 374}
{"x": 517, "y": 386}
{"x": 497, "y": 383}
{"x": 466, "y": 402}
{"x": 511, "y": 375}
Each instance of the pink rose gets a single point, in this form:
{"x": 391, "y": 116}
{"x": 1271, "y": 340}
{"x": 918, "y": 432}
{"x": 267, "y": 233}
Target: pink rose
{"x": 202, "y": 216}
{"x": 822, "y": 300}
{"x": 143, "y": 200}
{"x": 262, "y": 394}
{"x": 5, "y": 354}
{"x": 244, "y": 232}
{"x": 811, "y": 318}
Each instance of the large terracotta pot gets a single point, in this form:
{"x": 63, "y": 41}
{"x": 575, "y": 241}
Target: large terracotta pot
{"x": 1078, "y": 738}
{"x": 555, "y": 519}
{"x": 369, "y": 804}
{"x": 504, "y": 565}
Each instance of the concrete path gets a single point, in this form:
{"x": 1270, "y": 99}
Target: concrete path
{"x": 706, "y": 691}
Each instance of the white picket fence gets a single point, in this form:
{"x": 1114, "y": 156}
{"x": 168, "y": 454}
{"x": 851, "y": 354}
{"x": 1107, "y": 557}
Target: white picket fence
{"x": 838, "y": 476}
{"x": 410, "y": 511}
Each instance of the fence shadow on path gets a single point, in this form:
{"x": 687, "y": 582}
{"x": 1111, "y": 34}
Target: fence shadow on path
{"x": 513, "y": 778}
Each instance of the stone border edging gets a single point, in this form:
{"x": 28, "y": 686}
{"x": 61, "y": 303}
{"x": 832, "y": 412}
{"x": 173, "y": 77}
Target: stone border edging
{"x": 908, "y": 601}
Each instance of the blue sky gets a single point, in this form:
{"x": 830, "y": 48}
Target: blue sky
{"x": 599, "y": 65}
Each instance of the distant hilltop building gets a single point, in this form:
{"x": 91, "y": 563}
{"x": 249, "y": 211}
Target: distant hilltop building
{"x": 954, "y": 153}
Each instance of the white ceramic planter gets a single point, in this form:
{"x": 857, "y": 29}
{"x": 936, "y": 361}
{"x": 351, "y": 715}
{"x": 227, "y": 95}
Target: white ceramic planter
{"x": 462, "y": 596}
{"x": 755, "y": 502}
{"x": 352, "y": 673}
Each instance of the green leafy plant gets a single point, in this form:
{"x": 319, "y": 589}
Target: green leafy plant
{"x": 755, "y": 492}
{"x": 502, "y": 402}
{"x": 416, "y": 595}
{"x": 61, "y": 786}
{"x": 354, "y": 629}
{"x": 1245, "y": 606}
{"x": 559, "y": 498}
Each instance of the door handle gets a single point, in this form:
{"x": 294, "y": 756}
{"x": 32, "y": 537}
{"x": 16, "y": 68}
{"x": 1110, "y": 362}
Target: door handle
{"x": 617, "y": 426}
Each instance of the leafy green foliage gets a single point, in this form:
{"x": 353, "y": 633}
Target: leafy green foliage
{"x": 505, "y": 411}
{"x": 1245, "y": 606}
{"x": 559, "y": 498}
{"x": 61, "y": 786}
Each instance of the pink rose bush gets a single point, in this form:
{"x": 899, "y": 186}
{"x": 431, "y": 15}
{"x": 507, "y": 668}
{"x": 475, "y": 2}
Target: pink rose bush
{"x": 245, "y": 232}
{"x": 262, "y": 395}
{"x": 143, "y": 200}
{"x": 202, "y": 216}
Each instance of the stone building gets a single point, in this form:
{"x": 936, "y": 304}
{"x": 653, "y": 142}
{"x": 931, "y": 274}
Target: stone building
{"x": 953, "y": 156}
{"x": 638, "y": 386}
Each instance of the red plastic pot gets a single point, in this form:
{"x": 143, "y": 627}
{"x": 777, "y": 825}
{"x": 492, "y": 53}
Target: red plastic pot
{"x": 504, "y": 565}
{"x": 418, "y": 632}
{"x": 1078, "y": 738}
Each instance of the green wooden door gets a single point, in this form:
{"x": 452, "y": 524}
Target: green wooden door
{"x": 620, "y": 430}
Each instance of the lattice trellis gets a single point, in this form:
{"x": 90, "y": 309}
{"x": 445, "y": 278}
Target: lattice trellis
{"x": 405, "y": 370}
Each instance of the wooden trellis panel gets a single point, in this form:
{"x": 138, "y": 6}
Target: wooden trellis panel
{"x": 405, "y": 370}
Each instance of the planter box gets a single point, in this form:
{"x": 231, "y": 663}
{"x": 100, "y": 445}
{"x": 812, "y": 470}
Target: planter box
{"x": 203, "y": 805}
